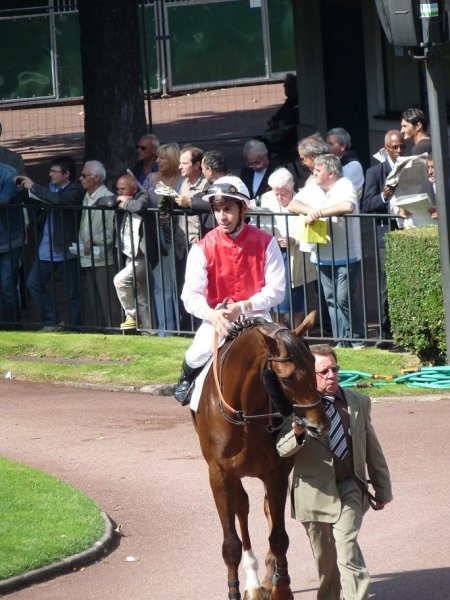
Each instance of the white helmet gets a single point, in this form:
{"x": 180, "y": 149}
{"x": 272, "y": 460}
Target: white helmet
{"x": 229, "y": 188}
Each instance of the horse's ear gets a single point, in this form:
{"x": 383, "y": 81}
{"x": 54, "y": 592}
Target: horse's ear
{"x": 306, "y": 324}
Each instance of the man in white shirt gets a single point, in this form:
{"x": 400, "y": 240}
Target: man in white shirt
{"x": 332, "y": 195}
{"x": 193, "y": 183}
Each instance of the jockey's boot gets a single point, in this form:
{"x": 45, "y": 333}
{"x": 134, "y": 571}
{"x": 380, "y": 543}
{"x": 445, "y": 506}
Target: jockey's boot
{"x": 184, "y": 385}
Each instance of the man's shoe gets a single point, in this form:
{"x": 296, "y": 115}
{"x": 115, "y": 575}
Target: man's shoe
{"x": 129, "y": 323}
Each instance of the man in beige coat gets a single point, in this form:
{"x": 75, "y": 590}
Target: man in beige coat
{"x": 327, "y": 495}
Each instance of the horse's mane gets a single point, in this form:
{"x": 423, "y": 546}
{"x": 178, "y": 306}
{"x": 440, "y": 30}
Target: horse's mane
{"x": 295, "y": 346}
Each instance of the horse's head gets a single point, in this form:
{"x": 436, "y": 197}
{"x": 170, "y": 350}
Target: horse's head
{"x": 290, "y": 379}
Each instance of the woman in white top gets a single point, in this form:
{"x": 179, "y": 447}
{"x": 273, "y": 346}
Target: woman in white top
{"x": 281, "y": 226}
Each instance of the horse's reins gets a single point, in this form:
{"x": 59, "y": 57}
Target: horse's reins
{"x": 239, "y": 418}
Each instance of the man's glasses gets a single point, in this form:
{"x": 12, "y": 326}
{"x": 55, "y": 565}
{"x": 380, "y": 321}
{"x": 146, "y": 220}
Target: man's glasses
{"x": 84, "y": 175}
{"x": 332, "y": 370}
{"x": 56, "y": 171}
{"x": 254, "y": 164}
{"x": 142, "y": 147}
{"x": 396, "y": 146}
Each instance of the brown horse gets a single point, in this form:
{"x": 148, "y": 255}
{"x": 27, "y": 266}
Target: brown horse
{"x": 237, "y": 428}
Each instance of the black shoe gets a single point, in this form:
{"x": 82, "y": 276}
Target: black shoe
{"x": 182, "y": 390}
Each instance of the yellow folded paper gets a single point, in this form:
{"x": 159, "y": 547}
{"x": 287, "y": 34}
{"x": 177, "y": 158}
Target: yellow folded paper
{"x": 315, "y": 233}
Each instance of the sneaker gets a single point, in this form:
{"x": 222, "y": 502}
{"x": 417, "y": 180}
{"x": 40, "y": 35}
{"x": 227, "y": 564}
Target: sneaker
{"x": 358, "y": 345}
{"x": 129, "y": 323}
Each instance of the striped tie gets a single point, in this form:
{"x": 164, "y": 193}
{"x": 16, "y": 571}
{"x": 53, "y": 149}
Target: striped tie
{"x": 338, "y": 442}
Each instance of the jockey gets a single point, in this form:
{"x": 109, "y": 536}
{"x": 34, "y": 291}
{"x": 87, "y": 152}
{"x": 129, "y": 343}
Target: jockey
{"x": 234, "y": 261}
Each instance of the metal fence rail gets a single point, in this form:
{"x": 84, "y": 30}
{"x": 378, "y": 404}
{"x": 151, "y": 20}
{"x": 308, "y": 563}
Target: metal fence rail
{"x": 76, "y": 286}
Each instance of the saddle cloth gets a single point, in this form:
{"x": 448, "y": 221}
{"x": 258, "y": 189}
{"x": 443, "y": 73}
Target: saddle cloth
{"x": 198, "y": 386}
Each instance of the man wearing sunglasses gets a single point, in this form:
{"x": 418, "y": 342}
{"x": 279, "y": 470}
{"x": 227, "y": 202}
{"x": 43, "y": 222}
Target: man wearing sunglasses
{"x": 375, "y": 200}
{"x": 329, "y": 484}
{"x": 234, "y": 261}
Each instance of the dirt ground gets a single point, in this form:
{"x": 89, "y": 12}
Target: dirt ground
{"x": 138, "y": 457}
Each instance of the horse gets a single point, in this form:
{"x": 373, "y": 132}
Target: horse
{"x": 266, "y": 366}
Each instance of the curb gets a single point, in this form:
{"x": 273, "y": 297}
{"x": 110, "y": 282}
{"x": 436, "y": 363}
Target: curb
{"x": 61, "y": 567}
{"x": 157, "y": 389}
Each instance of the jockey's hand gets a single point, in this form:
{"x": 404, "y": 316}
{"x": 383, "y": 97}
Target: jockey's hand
{"x": 233, "y": 311}
{"x": 219, "y": 321}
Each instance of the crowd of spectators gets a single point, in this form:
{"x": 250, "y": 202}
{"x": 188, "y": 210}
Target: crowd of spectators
{"x": 130, "y": 261}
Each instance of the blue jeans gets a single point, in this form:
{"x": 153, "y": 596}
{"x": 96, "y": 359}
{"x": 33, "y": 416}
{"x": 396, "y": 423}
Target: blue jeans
{"x": 9, "y": 279}
{"x": 41, "y": 285}
{"x": 164, "y": 277}
{"x": 345, "y": 313}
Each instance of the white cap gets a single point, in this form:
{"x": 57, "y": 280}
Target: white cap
{"x": 228, "y": 187}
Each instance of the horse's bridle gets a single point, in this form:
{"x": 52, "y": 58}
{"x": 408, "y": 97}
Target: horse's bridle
{"x": 239, "y": 418}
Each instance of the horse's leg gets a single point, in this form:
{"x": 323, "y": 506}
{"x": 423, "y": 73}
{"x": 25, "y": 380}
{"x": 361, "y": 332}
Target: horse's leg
{"x": 276, "y": 490}
{"x": 266, "y": 589}
{"x": 223, "y": 489}
{"x": 250, "y": 562}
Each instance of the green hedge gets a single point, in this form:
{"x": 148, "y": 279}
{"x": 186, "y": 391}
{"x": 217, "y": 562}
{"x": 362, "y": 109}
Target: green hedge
{"x": 413, "y": 270}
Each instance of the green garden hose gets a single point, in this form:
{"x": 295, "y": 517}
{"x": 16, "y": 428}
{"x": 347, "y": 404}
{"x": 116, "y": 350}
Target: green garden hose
{"x": 436, "y": 378}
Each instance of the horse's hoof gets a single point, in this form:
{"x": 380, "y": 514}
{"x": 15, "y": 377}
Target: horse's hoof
{"x": 254, "y": 594}
{"x": 265, "y": 594}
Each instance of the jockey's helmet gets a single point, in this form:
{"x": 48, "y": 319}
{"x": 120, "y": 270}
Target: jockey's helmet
{"x": 228, "y": 188}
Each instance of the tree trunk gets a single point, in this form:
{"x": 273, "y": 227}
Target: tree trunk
{"x": 112, "y": 82}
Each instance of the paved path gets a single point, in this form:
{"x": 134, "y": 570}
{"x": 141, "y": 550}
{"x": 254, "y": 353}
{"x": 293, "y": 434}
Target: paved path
{"x": 138, "y": 457}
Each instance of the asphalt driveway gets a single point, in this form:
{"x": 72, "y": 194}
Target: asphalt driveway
{"x": 138, "y": 457}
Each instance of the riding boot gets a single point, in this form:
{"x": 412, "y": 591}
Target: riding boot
{"x": 184, "y": 385}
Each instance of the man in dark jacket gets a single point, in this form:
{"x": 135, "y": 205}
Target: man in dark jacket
{"x": 11, "y": 241}
{"x": 56, "y": 228}
{"x": 376, "y": 199}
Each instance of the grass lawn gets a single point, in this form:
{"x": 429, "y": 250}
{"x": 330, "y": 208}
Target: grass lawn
{"x": 136, "y": 360}
{"x": 42, "y": 519}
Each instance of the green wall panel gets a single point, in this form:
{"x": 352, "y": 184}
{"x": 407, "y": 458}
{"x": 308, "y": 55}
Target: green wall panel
{"x": 25, "y": 65}
{"x": 148, "y": 48}
{"x": 281, "y": 27}
{"x": 215, "y": 41}
{"x": 67, "y": 31}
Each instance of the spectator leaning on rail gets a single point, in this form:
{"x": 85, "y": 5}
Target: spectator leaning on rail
{"x": 329, "y": 478}
{"x": 214, "y": 165}
{"x": 234, "y": 260}
{"x": 138, "y": 242}
{"x": 339, "y": 260}
{"x": 296, "y": 265}
{"x": 57, "y": 227}
{"x": 193, "y": 182}
{"x": 146, "y": 147}
{"x": 96, "y": 244}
